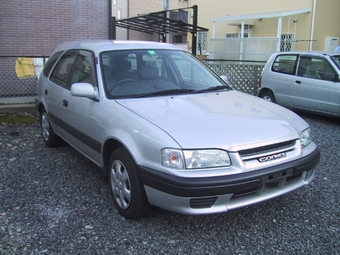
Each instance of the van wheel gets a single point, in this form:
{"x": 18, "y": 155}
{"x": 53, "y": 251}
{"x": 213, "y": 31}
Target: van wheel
{"x": 126, "y": 186}
{"x": 47, "y": 133}
{"x": 269, "y": 96}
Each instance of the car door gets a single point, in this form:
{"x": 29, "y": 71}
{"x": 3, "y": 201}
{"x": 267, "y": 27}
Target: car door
{"x": 55, "y": 89}
{"x": 314, "y": 87}
{"x": 281, "y": 77}
{"x": 80, "y": 118}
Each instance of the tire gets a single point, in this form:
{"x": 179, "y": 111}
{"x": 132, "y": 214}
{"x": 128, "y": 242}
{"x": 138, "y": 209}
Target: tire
{"x": 126, "y": 186}
{"x": 269, "y": 96}
{"x": 47, "y": 133}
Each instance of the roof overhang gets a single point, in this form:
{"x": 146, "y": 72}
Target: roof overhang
{"x": 158, "y": 23}
{"x": 263, "y": 15}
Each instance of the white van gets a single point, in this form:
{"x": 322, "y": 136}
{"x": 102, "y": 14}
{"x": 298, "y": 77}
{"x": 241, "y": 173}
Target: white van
{"x": 308, "y": 81}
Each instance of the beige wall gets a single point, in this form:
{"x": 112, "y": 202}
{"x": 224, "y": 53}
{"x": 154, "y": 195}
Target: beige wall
{"x": 327, "y": 19}
{"x": 327, "y": 23}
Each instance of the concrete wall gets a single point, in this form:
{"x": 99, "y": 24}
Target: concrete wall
{"x": 35, "y": 27}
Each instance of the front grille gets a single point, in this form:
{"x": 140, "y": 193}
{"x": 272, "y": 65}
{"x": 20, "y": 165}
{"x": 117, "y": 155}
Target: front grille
{"x": 199, "y": 203}
{"x": 254, "y": 153}
{"x": 267, "y": 149}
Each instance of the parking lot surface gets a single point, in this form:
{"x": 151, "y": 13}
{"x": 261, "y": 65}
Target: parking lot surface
{"x": 54, "y": 201}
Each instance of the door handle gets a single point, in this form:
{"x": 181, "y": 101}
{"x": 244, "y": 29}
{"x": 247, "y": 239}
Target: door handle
{"x": 297, "y": 82}
{"x": 65, "y": 103}
{"x": 46, "y": 92}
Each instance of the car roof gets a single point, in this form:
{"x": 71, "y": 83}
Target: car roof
{"x": 312, "y": 53}
{"x": 105, "y": 45}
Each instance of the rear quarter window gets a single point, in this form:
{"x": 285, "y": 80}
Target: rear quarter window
{"x": 285, "y": 64}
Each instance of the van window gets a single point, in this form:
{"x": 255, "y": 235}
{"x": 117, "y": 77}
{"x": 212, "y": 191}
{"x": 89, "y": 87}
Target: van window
{"x": 315, "y": 68}
{"x": 285, "y": 64}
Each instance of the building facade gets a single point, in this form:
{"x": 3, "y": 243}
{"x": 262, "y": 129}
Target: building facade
{"x": 291, "y": 24}
{"x": 35, "y": 28}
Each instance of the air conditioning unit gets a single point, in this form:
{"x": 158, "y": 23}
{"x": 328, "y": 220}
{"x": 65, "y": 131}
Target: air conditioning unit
{"x": 330, "y": 43}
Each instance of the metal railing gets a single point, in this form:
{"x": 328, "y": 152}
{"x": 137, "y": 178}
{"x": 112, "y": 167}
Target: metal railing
{"x": 17, "y": 89}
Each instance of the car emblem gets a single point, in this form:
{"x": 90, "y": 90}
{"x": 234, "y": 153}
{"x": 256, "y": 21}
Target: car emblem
{"x": 272, "y": 157}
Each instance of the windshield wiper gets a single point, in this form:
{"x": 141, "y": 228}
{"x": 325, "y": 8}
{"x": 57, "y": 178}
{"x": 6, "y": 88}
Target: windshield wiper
{"x": 167, "y": 92}
{"x": 215, "y": 88}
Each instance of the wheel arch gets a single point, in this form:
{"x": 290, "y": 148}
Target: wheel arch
{"x": 265, "y": 90}
{"x": 111, "y": 145}
{"x": 40, "y": 107}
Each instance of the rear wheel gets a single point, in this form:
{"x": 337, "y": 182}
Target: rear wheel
{"x": 126, "y": 186}
{"x": 48, "y": 135}
{"x": 269, "y": 96}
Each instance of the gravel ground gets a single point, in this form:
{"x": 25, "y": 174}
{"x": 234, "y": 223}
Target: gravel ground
{"x": 54, "y": 201}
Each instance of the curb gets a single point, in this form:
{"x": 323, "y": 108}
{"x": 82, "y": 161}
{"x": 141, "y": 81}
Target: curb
{"x": 16, "y": 108}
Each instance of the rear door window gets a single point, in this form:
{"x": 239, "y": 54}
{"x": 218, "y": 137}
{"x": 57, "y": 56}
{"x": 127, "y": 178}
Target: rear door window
{"x": 285, "y": 64}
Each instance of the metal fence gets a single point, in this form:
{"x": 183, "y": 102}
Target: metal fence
{"x": 17, "y": 83}
{"x": 243, "y": 75}
{"x": 20, "y": 89}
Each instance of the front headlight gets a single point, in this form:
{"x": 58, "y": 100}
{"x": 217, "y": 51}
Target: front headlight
{"x": 305, "y": 138}
{"x": 206, "y": 158}
{"x": 195, "y": 159}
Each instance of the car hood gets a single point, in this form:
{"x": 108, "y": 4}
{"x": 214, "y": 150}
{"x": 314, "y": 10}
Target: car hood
{"x": 230, "y": 120}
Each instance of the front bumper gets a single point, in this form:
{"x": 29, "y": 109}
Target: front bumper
{"x": 218, "y": 194}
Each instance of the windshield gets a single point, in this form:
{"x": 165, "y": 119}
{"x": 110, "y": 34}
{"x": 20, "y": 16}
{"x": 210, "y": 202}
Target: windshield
{"x": 143, "y": 73}
{"x": 336, "y": 60}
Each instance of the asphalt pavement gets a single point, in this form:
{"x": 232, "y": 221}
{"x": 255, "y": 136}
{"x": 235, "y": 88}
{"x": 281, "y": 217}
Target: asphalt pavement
{"x": 54, "y": 201}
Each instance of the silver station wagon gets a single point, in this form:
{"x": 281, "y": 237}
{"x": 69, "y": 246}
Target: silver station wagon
{"x": 307, "y": 81}
{"x": 168, "y": 131}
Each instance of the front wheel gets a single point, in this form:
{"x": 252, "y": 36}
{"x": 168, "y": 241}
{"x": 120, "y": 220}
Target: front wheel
{"x": 126, "y": 186}
{"x": 269, "y": 96}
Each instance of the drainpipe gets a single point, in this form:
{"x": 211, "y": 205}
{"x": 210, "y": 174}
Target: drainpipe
{"x": 194, "y": 33}
{"x": 128, "y": 15}
{"x": 110, "y": 20}
{"x": 167, "y": 15}
{"x": 312, "y": 27}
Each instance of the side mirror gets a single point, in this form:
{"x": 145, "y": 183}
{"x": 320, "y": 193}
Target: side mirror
{"x": 84, "y": 90}
{"x": 226, "y": 80}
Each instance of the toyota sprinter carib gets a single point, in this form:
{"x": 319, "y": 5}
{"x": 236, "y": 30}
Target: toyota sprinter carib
{"x": 168, "y": 131}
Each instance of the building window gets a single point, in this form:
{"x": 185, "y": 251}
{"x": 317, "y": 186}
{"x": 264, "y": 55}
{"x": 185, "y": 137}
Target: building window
{"x": 247, "y": 33}
{"x": 119, "y": 13}
{"x": 114, "y": 2}
{"x": 202, "y": 41}
{"x": 231, "y": 35}
{"x": 177, "y": 39}
{"x": 286, "y": 43}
